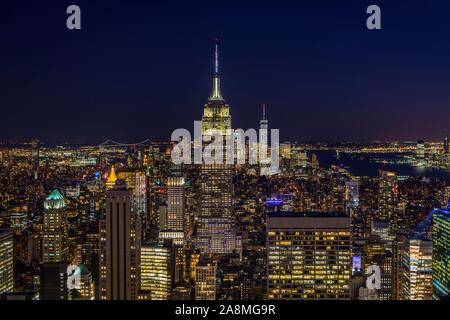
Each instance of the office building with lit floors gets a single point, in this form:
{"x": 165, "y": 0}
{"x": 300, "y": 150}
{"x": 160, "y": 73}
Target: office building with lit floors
{"x": 6, "y": 261}
{"x": 216, "y": 235}
{"x": 308, "y": 255}
{"x": 387, "y": 197}
{"x": 157, "y": 269}
{"x": 173, "y": 226}
{"x": 417, "y": 261}
{"x": 206, "y": 279}
{"x": 120, "y": 239}
{"x": 441, "y": 254}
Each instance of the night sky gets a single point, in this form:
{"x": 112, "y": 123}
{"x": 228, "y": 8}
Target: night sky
{"x": 140, "y": 69}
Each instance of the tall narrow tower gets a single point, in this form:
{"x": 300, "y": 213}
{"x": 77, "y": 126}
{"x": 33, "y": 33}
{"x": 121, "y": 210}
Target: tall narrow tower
{"x": 119, "y": 246}
{"x": 56, "y": 229}
{"x": 446, "y": 144}
{"x": 387, "y": 196}
{"x": 215, "y": 228}
{"x": 264, "y": 123}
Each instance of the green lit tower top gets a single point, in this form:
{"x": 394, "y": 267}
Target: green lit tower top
{"x": 441, "y": 253}
{"x": 216, "y": 113}
{"x": 55, "y": 200}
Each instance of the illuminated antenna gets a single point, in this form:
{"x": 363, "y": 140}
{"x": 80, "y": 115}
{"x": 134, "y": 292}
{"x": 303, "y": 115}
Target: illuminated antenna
{"x": 216, "y": 64}
{"x": 264, "y": 111}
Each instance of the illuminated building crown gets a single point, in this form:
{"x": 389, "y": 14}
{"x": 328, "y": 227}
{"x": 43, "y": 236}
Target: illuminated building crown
{"x": 112, "y": 178}
{"x": 216, "y": 113}
{"x": 55, "y": 200}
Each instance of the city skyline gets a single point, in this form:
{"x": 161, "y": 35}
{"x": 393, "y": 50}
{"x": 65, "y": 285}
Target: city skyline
{"x": 257, "y": 215}
{"x": 319, "y": 83}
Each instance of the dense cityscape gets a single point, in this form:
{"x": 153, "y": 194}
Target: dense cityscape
{"x": 121, "y": 221}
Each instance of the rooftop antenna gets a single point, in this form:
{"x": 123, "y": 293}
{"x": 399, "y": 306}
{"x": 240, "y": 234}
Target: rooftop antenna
{"x": 216, "y": 63}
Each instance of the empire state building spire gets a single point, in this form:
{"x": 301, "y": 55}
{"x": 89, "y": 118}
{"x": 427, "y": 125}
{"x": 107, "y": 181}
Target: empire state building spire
{"x": 216, "y": 113}
{"x": 216, "y": 95}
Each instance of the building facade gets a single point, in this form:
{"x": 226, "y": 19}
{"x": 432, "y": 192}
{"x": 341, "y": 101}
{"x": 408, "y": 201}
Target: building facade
{"x": 206, "y": 279}
{"x": 441, "y": 254}
{"x": 417, "y": 269}
{"x": 6, "y": 261}
{"x": 157, "y": 270}
{"x": 308, "y": 255}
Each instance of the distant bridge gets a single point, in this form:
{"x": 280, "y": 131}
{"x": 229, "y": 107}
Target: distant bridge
{"x": 114, "y": 144}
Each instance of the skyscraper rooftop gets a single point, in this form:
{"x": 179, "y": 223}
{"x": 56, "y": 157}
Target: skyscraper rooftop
{"x": 55, "y": 200}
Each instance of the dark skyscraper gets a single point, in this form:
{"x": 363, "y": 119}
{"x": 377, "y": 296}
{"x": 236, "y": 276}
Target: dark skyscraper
{"x": 119, "y": 246}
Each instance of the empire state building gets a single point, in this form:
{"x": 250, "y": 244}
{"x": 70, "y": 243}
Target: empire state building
{"x": 215, "y": 230}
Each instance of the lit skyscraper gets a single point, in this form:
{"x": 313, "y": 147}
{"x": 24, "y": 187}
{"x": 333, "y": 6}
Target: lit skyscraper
{"x": 18, "y": 218}
{"x": 157, "y": 270}
{"x": 352, "y": 206}
{"x": 352, "y": 194}
{"x": 214, "y": 232}
{"x": 140, "y": 192}
{"x": 119, "y": 246}
{"x": 308, "y": 255}
{"x": 387, "y": 196}
{"x": 56, "y": 229}
{"x": 206, "y": 279}
{"x": 417, "y": 270}
{"x": 263, "y": 146}
{"x": 174, "y": 224}
{"x": 441, "y": 254}
{"x": 6, "y": 261}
